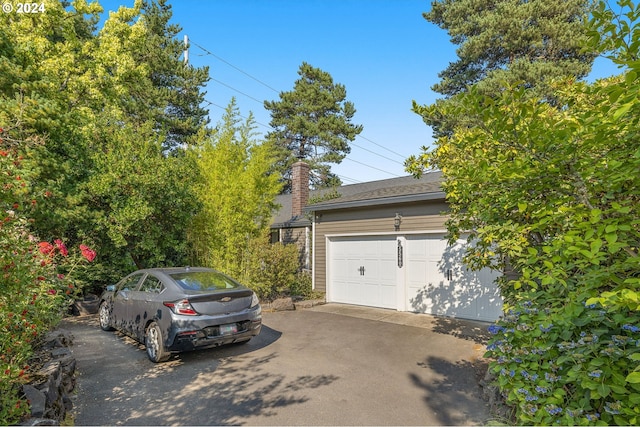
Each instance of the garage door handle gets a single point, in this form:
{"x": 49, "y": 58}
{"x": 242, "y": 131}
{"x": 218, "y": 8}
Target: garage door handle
{"x": 361, "y": 270}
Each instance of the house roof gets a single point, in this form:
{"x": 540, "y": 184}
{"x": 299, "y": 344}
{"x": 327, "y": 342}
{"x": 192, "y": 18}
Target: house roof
{"x": 373, "y": 193}
{"x": 388, "y": 191}
{"x": 283, "y": 218}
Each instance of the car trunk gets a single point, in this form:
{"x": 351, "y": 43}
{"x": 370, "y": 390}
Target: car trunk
{"x": 221, "y": 302}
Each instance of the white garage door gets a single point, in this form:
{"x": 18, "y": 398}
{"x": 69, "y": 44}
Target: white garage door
{"x": 363, "y": 271}
{"x": 438, "y": 282}
{"x": 431, "y": 277}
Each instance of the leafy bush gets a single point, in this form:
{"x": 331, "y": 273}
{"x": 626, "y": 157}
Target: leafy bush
{"x": 570, "y": 364}
{"x": 271, "y": 269}
{"x": 302, "y": 287}
{"x": 33, "y": 299}
{"x": 37, "y": 282}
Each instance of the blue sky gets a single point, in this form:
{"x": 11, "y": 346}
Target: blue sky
{"x": 383, "y": 51}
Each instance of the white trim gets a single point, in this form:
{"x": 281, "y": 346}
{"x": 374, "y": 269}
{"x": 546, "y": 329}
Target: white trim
{"x": 313, "y": 254}
{"x": 327, "y": 268}
{"x": 307, "y": 260}
{"x": 386, "y": 233}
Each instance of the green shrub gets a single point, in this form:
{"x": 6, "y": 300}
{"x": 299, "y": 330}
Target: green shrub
{"x": 569, "y": 364}
{"x": 302, "y": 287}
{"x": 271, "y": 269}
{"x": 36, "y": 286}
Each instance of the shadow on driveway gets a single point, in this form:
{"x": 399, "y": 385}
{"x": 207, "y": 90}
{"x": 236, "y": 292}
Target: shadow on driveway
{"x": 464, "y": 329}
{"x": 219, "y": 386}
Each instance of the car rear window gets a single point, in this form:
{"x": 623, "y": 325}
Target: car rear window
{"x": 204, "y": 281}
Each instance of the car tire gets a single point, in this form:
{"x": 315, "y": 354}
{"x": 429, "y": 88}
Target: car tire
{"x": 105, "y": 317}
{"x": 155, "y": 344}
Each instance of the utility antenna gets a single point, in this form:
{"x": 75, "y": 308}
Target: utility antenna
{"x": 186, "y": 49}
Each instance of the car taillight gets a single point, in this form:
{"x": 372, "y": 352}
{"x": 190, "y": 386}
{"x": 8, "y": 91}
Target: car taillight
{"x": 254, "y": 300}
{"x": 181, "y": 307}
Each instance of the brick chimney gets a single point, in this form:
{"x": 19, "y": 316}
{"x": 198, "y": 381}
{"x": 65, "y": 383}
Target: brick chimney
{"x": 299, "y": 187}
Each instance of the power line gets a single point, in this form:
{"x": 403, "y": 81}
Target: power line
{"x": 353, "y": 181}
{"x": 373, "y": 152}
{"x": 355, "y": 161}
{"x": 242, "y": 93}
{"x": 372, "y": 167}
{"x": 208, "y": 52}
{"x": 383, "y": 147}
{"x": 261, "y": 124}
{"x": 234, "y": 67}
{"x": 244, "y": 117}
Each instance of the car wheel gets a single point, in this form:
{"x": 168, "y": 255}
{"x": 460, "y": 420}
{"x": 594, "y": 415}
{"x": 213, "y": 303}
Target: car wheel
{"x": 105, "y": 317}
{"x": 155, "y": 344}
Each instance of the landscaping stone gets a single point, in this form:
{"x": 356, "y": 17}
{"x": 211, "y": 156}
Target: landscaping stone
{"x": 282, "y": 304}
{"x": 86, "y": 306}
{"x": 49, "y": 394}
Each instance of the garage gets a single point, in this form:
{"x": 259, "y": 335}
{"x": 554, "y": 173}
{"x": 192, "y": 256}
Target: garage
{"x": 382, "y": 244}
{"x": 416, "y": 272}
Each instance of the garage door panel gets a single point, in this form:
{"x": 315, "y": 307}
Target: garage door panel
{"x": 371, "y": 279}
{"x": 438, "y": 282}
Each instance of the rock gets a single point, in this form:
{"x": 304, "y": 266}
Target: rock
{"x": 50, "y": 393}
{"x": 37, "y": 400}
{"x": 40, "y": 422}
{"x": 283, "y": 304}
{"x": 309, "y": 303}
{"x": 59, "y": 338}
{"x": 87, "y": 306}
{"x": 497, "y": 404}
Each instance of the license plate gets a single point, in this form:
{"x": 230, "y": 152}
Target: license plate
{"x": 229, "y": 329}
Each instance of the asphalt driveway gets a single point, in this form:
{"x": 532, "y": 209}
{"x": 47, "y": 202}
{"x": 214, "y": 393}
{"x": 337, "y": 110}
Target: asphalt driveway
{"x": 329, "y": 365}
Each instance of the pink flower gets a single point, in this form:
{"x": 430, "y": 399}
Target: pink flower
{"x": 51, "y": 291}
{"x": 87, "y": 252}
{"x": 61, "y": 247}
{"x": 46, "y": 248}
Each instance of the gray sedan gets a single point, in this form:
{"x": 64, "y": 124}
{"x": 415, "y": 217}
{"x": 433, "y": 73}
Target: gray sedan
{"x": 178, "y": 309}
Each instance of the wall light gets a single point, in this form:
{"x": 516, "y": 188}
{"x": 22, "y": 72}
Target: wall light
{"x": 397, "y": 221}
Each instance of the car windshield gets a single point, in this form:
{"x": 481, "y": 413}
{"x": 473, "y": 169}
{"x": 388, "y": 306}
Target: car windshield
{"x": 204, "y": 281}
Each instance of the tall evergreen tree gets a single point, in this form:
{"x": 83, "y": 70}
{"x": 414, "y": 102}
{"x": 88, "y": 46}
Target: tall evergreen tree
{"x": 174, "y": 99}
{"x": 313, "y": 123}
{"x": 506, "y": 42}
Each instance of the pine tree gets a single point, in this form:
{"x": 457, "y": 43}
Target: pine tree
{"x": 506, "y": 42}
{"x": 313, "y": 123}
{"x": 173, "y": 100}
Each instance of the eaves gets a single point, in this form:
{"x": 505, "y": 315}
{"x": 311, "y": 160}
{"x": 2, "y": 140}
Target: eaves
{"x": 334, "y": 205}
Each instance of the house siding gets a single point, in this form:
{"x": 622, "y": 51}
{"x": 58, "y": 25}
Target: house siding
{"x": 297, "y": 236}
{"x": 416, "y": 217}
